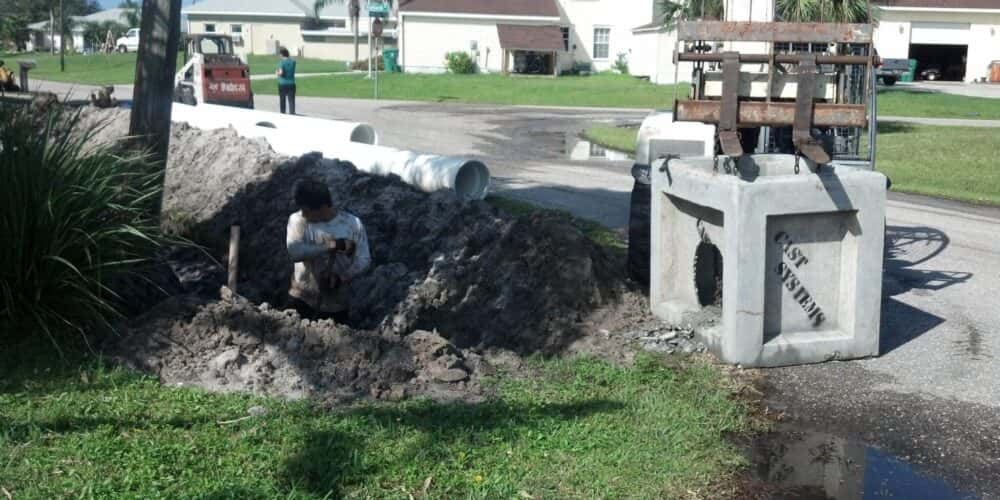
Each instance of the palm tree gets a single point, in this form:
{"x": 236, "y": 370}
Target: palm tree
{"x": 132, "y": 14}
{"x": 353, "y": 10}
{"x": 833, "y": 11}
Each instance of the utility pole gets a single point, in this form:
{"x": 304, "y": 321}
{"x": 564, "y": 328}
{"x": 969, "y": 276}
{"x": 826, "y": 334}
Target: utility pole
{"x": 156, "y": 63}
{"x": 62, "y": 38}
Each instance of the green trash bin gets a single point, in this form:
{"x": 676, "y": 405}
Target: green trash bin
{"x": 389, "y": 59}
{"x": 908, "y": 76}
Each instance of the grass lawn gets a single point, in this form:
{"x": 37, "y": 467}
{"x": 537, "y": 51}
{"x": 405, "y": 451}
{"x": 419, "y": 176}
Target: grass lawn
{"x": 906, "y": 102}
{"x": 265, "y": 65}
{"x": 949, "y": 162}
{"x": 603, "y": 90}
{"x": 105, "y": 69}
{"x": 577, "y": 429}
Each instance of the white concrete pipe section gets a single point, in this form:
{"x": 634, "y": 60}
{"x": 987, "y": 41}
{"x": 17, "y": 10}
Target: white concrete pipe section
{"x": 468, "y": 178}
{"x": 245, "y": 121}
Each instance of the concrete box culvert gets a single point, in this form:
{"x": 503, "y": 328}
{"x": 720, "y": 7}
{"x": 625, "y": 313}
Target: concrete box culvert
{"x": 800, "y": 254}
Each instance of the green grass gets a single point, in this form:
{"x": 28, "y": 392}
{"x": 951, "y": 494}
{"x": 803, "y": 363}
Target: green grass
{"x": 265, "y": 65}
{"x": 603, "y": 90}
{"x": 94, "y": 69}
{"x": 947, "y": 162}
{"x": 907, "y": 102}
{"x": 616, "y": 138}
{"x": 595, "y": 232}
{"x": 577, "y": 429}
{"x": 117, "y": 69}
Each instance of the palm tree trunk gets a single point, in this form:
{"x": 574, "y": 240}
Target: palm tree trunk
{"x": 355, "y": 21}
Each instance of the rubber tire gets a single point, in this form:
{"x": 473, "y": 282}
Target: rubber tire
{"x": 889, "y": 81}
{"x": 638, "y": 234}
{"x": 186, "y": 96}
{"x": 122, "y": 49}
{"x": 931, "y": 77}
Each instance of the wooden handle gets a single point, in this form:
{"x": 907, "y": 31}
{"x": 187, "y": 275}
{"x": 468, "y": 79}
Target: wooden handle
{"x": 234, "y": 256}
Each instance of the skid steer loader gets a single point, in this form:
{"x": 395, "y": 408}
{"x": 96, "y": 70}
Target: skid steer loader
{"x": 212, "y": 73}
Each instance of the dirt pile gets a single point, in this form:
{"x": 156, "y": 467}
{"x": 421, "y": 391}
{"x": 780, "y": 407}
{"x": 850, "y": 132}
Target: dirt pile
{"x": 478, "y": 277}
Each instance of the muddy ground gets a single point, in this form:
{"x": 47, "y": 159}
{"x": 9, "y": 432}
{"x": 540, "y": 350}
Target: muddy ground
{"x": 457, "y": 290}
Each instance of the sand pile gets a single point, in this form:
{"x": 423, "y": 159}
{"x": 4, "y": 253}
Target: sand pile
{"x": 481, "y": 279}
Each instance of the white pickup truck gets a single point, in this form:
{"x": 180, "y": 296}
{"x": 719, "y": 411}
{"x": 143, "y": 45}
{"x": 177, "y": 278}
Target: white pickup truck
{"x": 129, "y": 42}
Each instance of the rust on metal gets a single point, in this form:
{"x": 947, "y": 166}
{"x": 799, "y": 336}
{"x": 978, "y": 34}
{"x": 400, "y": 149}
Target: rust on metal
{"x": 765, "y": 58}
{"x": 729, "y": 136}
{"x": 803, "y": 121}
{"x": 758, "y": 113}
{"x": 774, "y": 32}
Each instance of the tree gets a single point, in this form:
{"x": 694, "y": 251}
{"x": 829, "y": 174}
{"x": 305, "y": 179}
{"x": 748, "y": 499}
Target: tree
{"x": 95, "y": 33}
{"x": 132, "y": 14}
{"x": 16, "y": 15}
{"x": 833, "y": 11}
{"x": 353, "y": 11}
{"x": 156, "y": 63}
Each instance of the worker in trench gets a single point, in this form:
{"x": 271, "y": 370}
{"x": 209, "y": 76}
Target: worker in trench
{"x": 329, "y": 248}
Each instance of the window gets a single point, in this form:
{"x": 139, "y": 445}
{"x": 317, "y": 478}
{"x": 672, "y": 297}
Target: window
{"x": 236, "y": 28}
{"x": 209, "y": 28}
{"x": 565, "y": 34}
{"x": 602, "y": 42}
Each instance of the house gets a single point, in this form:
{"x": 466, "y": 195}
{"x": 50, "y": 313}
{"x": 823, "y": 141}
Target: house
{"x": 520, "y": 36}
{"x": 959, "y": 37}
{"x": 262, "y": 26}
{"x": 42, "y": 39}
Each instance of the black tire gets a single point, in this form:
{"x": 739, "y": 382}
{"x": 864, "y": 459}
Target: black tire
{"x": 185, "y": 95}
{"x": 638, "y": 234}
{"x": 122, "y": 49}
{"x": 889, "y": 80}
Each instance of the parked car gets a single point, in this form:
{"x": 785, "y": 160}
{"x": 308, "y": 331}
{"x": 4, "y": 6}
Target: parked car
{"x": 892, "y": 70}
{"x": 129, "y": 42}
{"x": 931, "y": 73}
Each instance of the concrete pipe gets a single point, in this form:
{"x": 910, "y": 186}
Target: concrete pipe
{"x": 468, "y": 178}
{"x": 245, "y": 121}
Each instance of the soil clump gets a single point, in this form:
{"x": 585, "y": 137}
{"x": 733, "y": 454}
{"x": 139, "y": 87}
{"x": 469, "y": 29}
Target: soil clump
{"x": 456, "y": 289}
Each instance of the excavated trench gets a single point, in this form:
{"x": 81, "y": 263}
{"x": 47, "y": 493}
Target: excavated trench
{"x": 455, "y": 289}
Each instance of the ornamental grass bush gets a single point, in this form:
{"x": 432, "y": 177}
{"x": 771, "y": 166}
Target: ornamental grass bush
{"x": 73, "y": 217}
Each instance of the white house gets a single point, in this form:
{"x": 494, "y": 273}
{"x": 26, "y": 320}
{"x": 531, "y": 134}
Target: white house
{"x": 261, "y": 26}
{"x": 40, "y": 37}
{"x": 539, "y": 36}
{"x": 959, "y": 37}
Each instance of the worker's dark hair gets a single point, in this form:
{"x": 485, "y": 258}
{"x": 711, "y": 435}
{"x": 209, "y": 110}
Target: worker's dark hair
{"x": 312, "y": 194}
{"x": 283, "y": 51}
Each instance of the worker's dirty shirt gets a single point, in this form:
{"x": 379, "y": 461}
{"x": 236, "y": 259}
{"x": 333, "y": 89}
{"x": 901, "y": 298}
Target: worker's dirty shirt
{"x": 308, "y": 248}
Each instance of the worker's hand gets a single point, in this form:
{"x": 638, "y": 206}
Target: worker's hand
{"x": 343, "y": 246}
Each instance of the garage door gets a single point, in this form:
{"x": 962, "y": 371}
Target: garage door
{"x": 940, "y": 33}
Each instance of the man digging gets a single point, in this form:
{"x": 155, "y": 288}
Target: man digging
{"x": 329, "y": 248}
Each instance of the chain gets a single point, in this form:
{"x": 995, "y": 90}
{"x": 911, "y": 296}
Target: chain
{"x": 797, "y": 156}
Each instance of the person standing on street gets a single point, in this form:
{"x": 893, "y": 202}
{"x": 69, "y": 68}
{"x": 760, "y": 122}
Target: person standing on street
{"x": 286, "y": 81}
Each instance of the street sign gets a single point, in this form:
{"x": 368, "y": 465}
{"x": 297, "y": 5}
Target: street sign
{"x": 378, "y": 9}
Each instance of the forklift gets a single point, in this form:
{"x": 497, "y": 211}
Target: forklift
{"x": 212, "y": 73}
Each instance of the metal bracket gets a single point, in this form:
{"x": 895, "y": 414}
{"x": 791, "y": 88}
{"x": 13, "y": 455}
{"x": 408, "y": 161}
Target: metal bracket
{"x": 729, "y": 136}
{"x": 802, "y": 127}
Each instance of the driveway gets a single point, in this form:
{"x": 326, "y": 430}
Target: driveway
{"x": 991, "y": 90}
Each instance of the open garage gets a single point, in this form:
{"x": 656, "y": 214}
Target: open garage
{"x": 958, "y": 39}
{"x": 940, "y": 49}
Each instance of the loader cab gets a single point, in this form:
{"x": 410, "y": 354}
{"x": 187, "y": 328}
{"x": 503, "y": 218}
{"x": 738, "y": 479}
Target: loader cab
{"x": 213, "y": 73}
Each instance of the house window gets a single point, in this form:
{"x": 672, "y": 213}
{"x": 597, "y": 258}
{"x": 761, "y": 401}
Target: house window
{"x": 209, "y": 28}
{"x": 236, "y": 28}
{"x": 602, "y": 42}
{"x": 565, "y": 35}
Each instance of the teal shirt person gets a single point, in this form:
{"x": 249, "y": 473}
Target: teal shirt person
{"x": 287, "y": 75}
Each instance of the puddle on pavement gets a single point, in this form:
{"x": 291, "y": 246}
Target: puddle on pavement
{"x": 814, "y": 465}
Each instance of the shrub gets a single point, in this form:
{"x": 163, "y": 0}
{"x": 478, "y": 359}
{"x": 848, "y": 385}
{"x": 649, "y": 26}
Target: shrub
{"x": 362, "y": 65}
{"x": 73, "y": 216}
{"x": 460, "y": 63}
{"x": 621, "y": 63}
